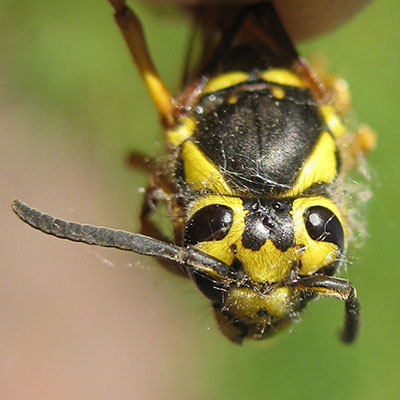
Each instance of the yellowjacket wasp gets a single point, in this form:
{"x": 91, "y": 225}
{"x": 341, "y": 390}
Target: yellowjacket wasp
{"x": 252, "y": 175}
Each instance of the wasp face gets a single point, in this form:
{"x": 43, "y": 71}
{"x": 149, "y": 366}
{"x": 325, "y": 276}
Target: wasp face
{"x": 269, "y": 244}
{"x": 267, "y": 239}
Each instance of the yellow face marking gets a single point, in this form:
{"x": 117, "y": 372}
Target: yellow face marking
{"x": 282, "y": 77}
{"x": 320, "y": 166}
{"x": 221, "y": 249}
{"x": 332, "y": 120}
{"x": 268, "y": 264}
{"x": 313, "y": 254}
{"x": 225, "y": 81}
{"x": 201, "y": 173}
{"x": 278, "y": 93}
{"x": 184, "y": 131}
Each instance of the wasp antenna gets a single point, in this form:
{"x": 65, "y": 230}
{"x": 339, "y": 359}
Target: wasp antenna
{"x": 123, "y": 240}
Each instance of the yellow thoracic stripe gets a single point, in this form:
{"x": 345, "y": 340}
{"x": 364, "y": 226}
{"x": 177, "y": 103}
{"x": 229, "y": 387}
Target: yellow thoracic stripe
{"x": 184, "y": 131}
{"x": 319, "y": 167}
{"x": 332, "y": 120}
{"x": 225, "y": 81}
{"x": 279, "y": 76}
{"x": 200, "y": 172}
{"x": 282, "y": 76}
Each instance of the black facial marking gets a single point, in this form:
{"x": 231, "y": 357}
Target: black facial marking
{"x": 262, "y": 312}
{"x": 237, "y": 268}
{"x": 268, "y": 219}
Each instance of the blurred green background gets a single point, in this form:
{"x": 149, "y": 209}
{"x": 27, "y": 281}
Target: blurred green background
{"x": 72, "y": 101}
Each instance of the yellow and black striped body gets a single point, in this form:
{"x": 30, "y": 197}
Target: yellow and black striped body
{"x": 252, "y": 177}
{"x": 256, "y": 165}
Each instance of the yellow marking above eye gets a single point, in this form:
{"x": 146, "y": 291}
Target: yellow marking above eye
{"x": 233, "y": 202}
{"x": 313, "y": 254}
{"x": 319, "y": 167}
{"x": 225, "y": 81}
{"x": 221, "y": 249}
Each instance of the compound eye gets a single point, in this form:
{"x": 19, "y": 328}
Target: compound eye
{"x": 210, "y": 223}
{"x": 323, "y": 225}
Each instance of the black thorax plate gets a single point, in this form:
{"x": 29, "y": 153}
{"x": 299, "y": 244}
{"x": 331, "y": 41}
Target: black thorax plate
{"x": 257, "y": 141}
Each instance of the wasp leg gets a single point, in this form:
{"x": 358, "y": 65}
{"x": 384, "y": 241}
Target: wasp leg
{"x": 153, "y": 195}
{"x": 340, "y": 92}
{"x": 355, "y": 147}
{"x": 139, "y": 161}
{"x": 132, "y": 31}
{"x": 337, "y": 88}
{"x": 340, "y": 289}
{"x": 234, "y": 331}
{"x": 364, "y": 140}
